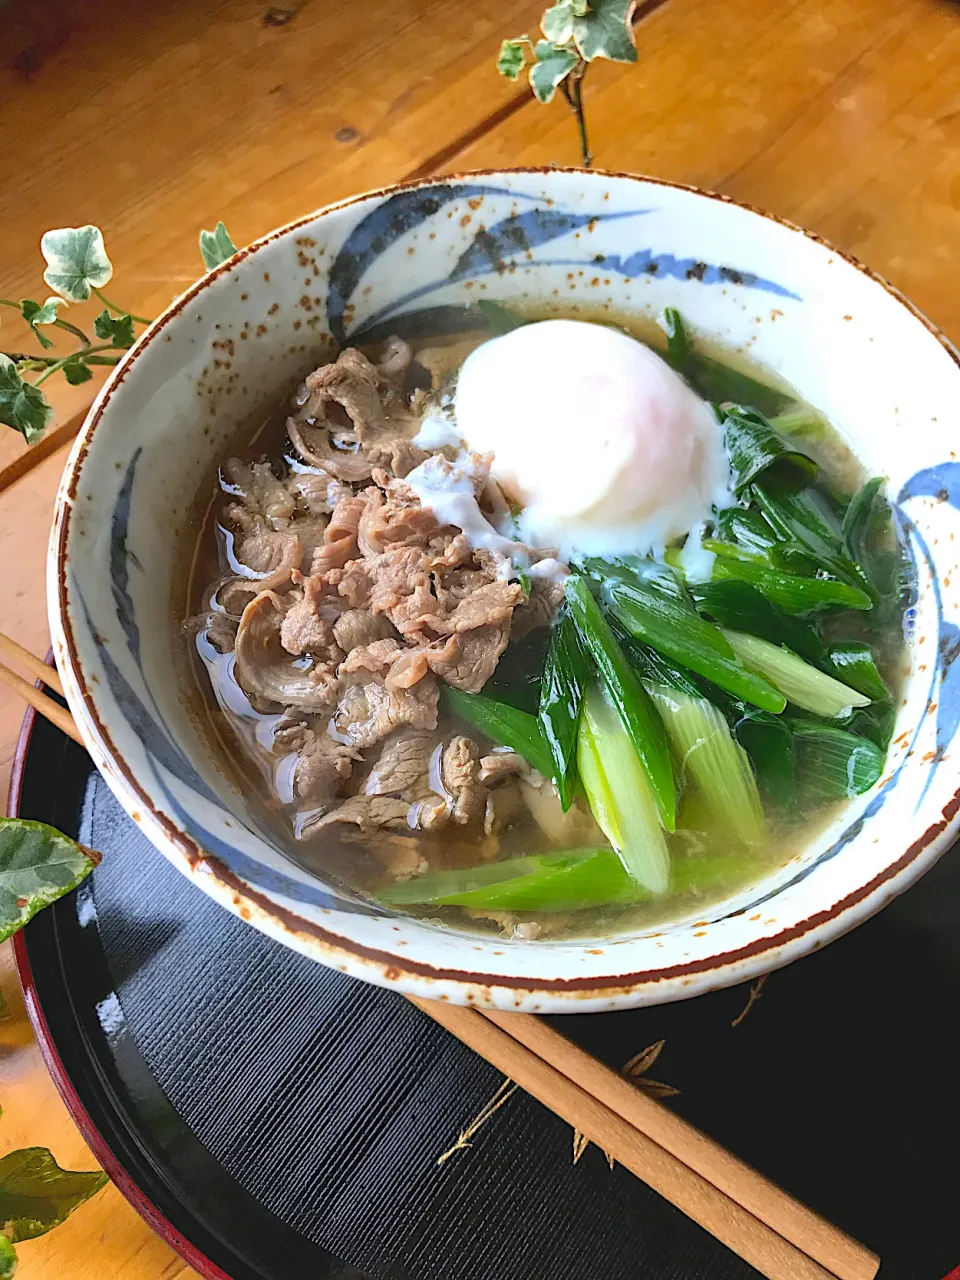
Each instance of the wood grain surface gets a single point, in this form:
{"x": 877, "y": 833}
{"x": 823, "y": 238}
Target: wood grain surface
{"x": 156, "y": 120}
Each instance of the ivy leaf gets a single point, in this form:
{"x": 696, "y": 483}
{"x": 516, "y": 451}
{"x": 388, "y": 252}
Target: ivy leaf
{"x": 76, "y": 372}
{"x": 34, "y": 314}
{"x": 37, "y": 1195}
{"x": 606, "y": 31}
{"x": 557, "y": 22}
{"x": 118, "y": 329}
{"x": 77, "y": 261}
{"x": 553, "y": 64}
{"x": 22, "y": 407}
{"x": 512, "y": 57}
{"x": 216, "y": 246}
{"x": 8, "y": 1259}
{"x": 37, "y": 865}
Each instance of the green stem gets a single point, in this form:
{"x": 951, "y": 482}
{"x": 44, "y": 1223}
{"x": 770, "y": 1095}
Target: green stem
{"x": 82, "y": 354}
{"x": 120, "y": 311}
{"x": 17, "y": 356}
{"x": 72, "y": 328}
{"x": 60, "y": 324}
{"x": 576, "y": 102}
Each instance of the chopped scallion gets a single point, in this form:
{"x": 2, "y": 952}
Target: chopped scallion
{"x": 799, "y": 683}
{"x": 620, "y": 794}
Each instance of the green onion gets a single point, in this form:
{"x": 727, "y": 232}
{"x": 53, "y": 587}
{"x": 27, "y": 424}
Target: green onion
{"x": 498, "y": 317}
{"x": 755, "y": 448}
{"x": 620, "y": 794}
{"x": 711, "y": 378}
{"x": 834, "y": 764}
{"x": 743, "y": 608}
{"x": 874, "y": 722}
{"x": 799, "y": 683}
{"x": 858, "y": 518}
{"x": 799, "y": 422}
{"x": 769, "y": 743}
{"x": 679, "y": 348}
{"x": 644, "y": 727}
{"x": 747, "y": 529}
{"x": 790, "y": 592}
{"x": 567, "y": 881}
{"x": 865, "y": 518}
{"x": 564, "y": 677}
{"x": 516, "y": 679}
{"x": 721, "y": 768}
{"x": 807, "y": 521}
{"x": 736, "y": 604}
{"x": 673, "y": 629}
{"x": 852, "y": 662}
{"x": 441, "y": 885}
{"x": 504, "y": 724}
{"x": 653, "y": 667}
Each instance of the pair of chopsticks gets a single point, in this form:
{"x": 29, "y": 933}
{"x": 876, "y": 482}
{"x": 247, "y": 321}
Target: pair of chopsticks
{"x": 779, "y": 1236}
{"x": 48, "y": 675}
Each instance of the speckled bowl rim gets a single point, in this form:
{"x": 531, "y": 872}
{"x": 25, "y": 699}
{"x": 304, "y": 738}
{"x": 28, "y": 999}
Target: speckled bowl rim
{"x": 620, "y": 990}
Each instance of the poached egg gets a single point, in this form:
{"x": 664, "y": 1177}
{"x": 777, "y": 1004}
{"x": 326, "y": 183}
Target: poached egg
{"x": 602, "y": 444}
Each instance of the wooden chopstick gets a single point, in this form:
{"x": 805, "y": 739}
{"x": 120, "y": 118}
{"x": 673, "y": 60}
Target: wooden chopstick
{"x": 765, "y": 1249}
{"x": 36, "y": 666}
{"x": 815, "y": 1236}
{"x": 781, "y": 1238}
{"x": 46, "y": 706}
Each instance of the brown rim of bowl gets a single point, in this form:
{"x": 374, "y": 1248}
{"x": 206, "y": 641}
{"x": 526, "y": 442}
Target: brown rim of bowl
{"x": 393, "y": 969}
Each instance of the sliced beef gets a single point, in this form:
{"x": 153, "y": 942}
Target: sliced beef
{"x": 314, "y": 445}
{"x": 259, "y": 491}
{"x": 539, "y": 609}
{"x": 407, "y": 668}
{"x": 454, "y": 551}
{"x": 264, "y": 668}
{"x": 502, "y": 764}
{"x": 470, "y": 658}
{"x": 352, "y": 582}
{"x": 385, "y": 525}
{"x": 323, "y": 767}
{"x": 303, "y": 630}
{"x": 397, "y": 452}
{"x": 315, "y": 492}
{"x": 368, "y": 710}
{"x": 310, "y": 530}
{"x": 400, "y": 587}
{"x": 460, "y": 771}
{"x": 505, "y": 804}
{"x": 491, "y": 604}
{"x": 351, "y": 382}
{"x": 403, "y": 767}
{"x": 376, "y": 657}
{"x": 402, "y": 856}
{"x": 218, "y": 628}
{"x": 357, "y": 627}
{"x": 365, "y": 811}
{"x": 340, "y": 535}
{"x": 441, "y": 361}
{"x": 269, "y": 555}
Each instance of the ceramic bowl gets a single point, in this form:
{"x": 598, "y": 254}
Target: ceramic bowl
{"x": 235, "y": 344}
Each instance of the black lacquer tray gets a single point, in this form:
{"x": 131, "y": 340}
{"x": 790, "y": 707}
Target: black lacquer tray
{"x": 273, "y": 1118}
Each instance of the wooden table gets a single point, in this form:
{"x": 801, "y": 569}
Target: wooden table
{"x": 154, "y": 121}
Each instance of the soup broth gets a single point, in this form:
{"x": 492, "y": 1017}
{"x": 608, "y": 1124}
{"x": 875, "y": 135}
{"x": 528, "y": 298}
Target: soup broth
{"x": 415, "y": 689}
